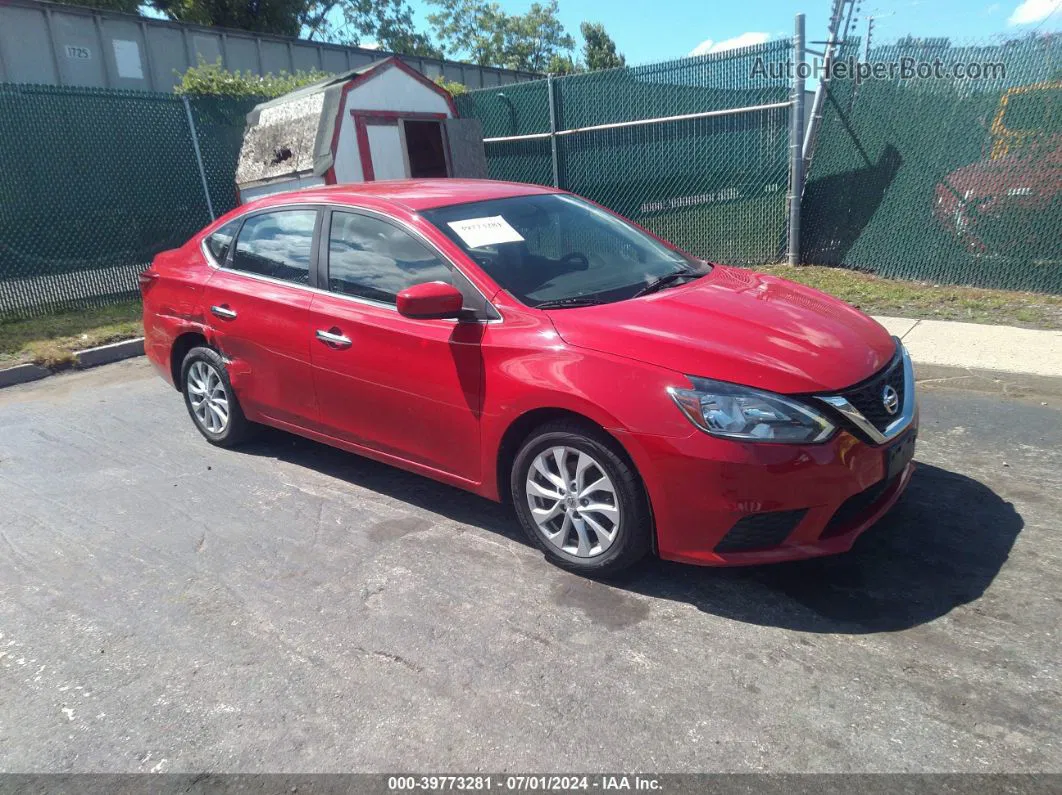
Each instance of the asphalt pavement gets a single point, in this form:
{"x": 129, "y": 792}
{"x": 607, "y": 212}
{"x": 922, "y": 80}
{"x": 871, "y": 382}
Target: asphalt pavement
{"x": 169, "y": 606}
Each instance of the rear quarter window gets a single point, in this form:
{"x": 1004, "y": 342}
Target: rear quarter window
{"x": 221, "y": 240}
{"x": 276, "y": 244}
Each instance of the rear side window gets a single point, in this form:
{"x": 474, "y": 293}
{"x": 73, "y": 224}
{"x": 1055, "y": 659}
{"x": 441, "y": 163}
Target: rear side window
{"x": 369, "y": 258}
{"x": 277, "y": 244}
{"x": 221, "y": 240}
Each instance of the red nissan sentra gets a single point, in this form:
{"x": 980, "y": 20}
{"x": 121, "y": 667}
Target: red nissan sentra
{"x": 530, "y": 346}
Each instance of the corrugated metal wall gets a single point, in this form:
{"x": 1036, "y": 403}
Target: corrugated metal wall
{"x": 73, "y": 46}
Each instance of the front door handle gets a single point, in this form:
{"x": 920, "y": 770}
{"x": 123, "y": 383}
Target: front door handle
{"x": 224, "y": 312}
{"x": 332, "y": 338}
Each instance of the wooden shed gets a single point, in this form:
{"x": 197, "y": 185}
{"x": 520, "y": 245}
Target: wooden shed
{"x": 381, "y": 121}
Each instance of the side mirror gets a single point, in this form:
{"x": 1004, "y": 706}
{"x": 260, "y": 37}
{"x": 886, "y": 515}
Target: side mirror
{"x": 430, "y": 300}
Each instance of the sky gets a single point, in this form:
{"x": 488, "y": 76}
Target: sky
{"x": 662, "y": 29}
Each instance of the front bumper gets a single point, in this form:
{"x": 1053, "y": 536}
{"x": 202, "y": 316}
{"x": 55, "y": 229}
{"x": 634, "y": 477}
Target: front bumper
{"x": 783, "y": 502}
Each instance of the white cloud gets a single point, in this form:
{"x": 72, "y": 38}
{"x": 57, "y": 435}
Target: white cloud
{"x": 992, "y": 9}
{"x": 744, "y": 40}
{"x": 1034, "y": 11}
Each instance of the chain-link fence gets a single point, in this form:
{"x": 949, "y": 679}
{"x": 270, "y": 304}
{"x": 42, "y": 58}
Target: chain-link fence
{"x": 94, "y": 183}
{"x": 694, "y": 149}
{"x": 936, "y": 178}
{"x": 944, "y": 178}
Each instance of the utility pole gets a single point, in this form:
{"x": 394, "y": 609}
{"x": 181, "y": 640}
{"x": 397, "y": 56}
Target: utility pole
{"x": 840, "y": 20}
{"x": 796, "y": 138}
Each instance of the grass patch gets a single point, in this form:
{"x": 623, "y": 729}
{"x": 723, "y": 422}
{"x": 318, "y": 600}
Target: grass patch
{"x": 51, "y": 340}
{"x": 925, "y": 300}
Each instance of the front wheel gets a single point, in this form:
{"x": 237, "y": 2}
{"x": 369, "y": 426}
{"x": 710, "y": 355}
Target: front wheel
{"x": 580, "y": 500}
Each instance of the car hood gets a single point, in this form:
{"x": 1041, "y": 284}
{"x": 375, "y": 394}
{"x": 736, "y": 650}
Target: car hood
{"x": 738, "y": 326}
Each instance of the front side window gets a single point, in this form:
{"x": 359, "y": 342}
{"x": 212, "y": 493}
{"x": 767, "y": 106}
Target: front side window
{"x": 370, "y": 258}
{"x": 277, "y": 244}
{"x": 220, "y": 242}
{"x": 553, "y": 248}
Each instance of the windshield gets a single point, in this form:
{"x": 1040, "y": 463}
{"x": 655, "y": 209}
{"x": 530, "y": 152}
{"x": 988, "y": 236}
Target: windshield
{"x": 552, "y": 248}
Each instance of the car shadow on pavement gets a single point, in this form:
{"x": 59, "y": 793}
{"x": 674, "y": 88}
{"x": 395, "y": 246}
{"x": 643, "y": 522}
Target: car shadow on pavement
{"x": 388, "y": 481}
{"x": 939, "y": 547}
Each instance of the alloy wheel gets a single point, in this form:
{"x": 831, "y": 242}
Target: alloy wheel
{"x": 573, "y": 501}
{"x": 209, "y": 399}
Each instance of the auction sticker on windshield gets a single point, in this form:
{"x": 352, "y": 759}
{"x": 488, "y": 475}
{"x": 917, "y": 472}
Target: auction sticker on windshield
{"x": 489, "y": 231}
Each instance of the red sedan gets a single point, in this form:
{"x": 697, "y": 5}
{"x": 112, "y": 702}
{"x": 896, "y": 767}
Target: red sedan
{"x": 530, "y": 346}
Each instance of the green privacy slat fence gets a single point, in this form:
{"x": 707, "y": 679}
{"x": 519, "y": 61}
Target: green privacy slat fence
{"x": 715, "y": 186}
{"x": 94, "y": 183}
{"x": 947, "y": 180}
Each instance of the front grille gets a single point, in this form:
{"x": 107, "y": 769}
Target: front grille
{"x": 855, "y": 507}
{"x": 867, "y": 397}
{"x": 760, "y": 530}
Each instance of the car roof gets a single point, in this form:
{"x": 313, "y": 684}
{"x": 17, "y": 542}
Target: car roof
{"x": 416, "y": 194}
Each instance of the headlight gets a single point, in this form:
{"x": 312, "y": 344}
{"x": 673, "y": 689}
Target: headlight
{"x": 738, "y": 412}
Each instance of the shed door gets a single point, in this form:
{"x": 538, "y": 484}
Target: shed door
{"x": 397, "y": 145}
{"x": 467, "y": 157}
{"x": 386, "y": 150}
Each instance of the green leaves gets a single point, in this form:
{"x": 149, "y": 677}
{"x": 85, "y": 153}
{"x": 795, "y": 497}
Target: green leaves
{"x": 214, "y": 80}
{"x": 489, "y": 36}
{"x": 283, "y": 17}
{"x": 599, "y": 50}
{"x": 389, "y": 23}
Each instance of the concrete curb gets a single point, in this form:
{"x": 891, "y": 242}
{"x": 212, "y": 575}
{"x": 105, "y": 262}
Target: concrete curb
{"x": 22, "y": 374}
{"x": 975, "y": 346}
{"x": 91, "y": 357}
{"x": 115, "y": 352}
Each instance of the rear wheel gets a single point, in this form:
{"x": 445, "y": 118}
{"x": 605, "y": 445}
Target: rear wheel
{"x": 211, "y": 402}
{"x": 580, "y": 500}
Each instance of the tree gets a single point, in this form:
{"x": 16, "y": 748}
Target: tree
{"x": 563, "y": 65}
{"x": 599, "y": 50}
{"x": 387, "y": 22}
{"x": 283, "y": 17}
{"x": 390, "y": 24}
{"x": 535, "y": 37}
{"x": 489, "y": 36}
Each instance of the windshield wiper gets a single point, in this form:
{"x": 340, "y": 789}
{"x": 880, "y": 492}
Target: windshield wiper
{"x": 568, "y": 303}
{"x": 666, "y": 280}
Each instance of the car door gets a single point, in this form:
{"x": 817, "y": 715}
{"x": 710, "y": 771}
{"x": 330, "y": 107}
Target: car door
{"x": 406, "y": 387}
{"x": 258, "y": 305}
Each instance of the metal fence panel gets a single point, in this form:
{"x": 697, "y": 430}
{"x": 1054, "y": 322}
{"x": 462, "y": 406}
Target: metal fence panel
{"x": 106, "y": 49}
{"x": 94, "y": 183}
{"x": 946, "y": 180}
{"x": 517, "y": 109}
{"x": 715, "y": 186}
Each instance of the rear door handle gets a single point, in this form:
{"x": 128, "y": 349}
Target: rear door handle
{"x": 333, "y": 339}
{"x": 224, "y": 312}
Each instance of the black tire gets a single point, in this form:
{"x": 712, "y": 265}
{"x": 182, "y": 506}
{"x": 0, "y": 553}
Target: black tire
{"x": 635, "y": 526}
{"x": 237, "y": 428}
